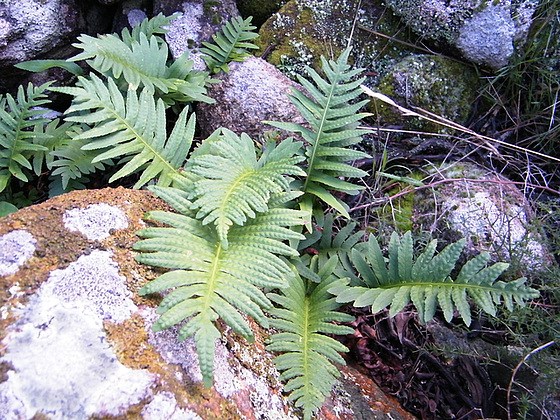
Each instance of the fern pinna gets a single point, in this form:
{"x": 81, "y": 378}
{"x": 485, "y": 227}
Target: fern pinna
{"x": 427, "y": 281}
{"x": 334, "y": 127}
{"x": 221, "y": 262}
{"x": 306, "y": 315}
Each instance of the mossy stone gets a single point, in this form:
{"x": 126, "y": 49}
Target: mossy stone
{"x": 434, "y": 83}
{"x": 260, "y": 10}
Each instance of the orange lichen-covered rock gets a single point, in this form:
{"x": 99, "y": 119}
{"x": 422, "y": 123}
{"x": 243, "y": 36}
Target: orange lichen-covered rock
{"x": 77, "y": 341}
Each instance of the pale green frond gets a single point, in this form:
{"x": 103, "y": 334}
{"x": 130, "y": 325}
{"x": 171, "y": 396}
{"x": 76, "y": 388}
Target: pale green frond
{"x": 132, "y": 126}
{"x": 230, "y": 44}
{"x": 209, "y": 281}
{"x": 233, "y": 185}
{"x": 429, "y": 287}
{"x": 333, "y": 125}
{"x": 19, "y": 139}
{"x": 308, "y": 354}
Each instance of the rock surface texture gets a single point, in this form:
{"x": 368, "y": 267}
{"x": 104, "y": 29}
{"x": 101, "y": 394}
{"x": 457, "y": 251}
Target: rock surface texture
{"x": 76, "y": 337}
{"x": 254, "y": 91}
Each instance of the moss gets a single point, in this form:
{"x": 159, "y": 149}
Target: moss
{"x": 434, "y": 83}
{"x": 260, "y": 10}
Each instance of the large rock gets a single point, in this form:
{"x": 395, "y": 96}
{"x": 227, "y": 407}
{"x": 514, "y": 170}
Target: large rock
{"x": 485, "y": 33}
{"x": 76, "y": 337}
{"x": 253, "y": 91}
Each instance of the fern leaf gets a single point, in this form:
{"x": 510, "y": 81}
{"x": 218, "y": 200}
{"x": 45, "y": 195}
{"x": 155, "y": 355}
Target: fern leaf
{"x": 333, "y": 128}
{"x": 234, "y": 185}
{"x": 19, "y": 140}
{"x": 431, "y": 284}
{"x": 209, "y": 281}
{"x": 134, "y": 126}
{"x": 308, "y": 354}
{"x": 139, "y": 60}
{"x": 231, "y": 44}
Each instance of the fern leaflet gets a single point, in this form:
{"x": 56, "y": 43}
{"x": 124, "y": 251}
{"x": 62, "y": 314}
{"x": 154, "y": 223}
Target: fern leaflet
{"x": 234, "y": 185}
{"x": 19, "y": 140}
{"x": 231, "y": 44}
{"x": 307, "y": 313}
{"x": 427, "y": 282}
{"x": 333, "y": 125}
{"x": 134, "y": 126}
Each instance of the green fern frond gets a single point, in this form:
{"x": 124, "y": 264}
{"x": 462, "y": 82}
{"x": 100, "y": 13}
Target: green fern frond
{"x": 209, "y": 281}
{"x": 19, "y": 140}
{"x": 307, "y": 315}
{"x": 333, "y": 125}
{"x": 154, "y": 26}
{"x": 231, "y": 44}
{"x": 69, "y": 159}
{"x": 132, "y": 126}
{"x": 140, "y": 61}
{"x": 427, "y": 283}
{"x": 233, "y": 184}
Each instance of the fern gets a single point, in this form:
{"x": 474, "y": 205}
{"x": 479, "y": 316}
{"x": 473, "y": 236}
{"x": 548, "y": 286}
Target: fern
{"x": 139, "y": 60}
{"x": 333, "y": 125}
{"x": 307, "y": 313}
{"x": 210, "y": 280}
{"x": 233, "y": 184}
{"x": 231, "y": 44}
{"x": 133, "y": 126}
{"x": 19, "y": 140}
{"x": 427, "y": 281}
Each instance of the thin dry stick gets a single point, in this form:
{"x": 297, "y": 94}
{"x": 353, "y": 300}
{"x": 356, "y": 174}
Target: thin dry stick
{"x": 515, "y": 372}
{"x": 451, "y": 124}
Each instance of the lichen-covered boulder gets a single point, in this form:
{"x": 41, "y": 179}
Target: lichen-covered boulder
{"x": 485, "y": 208}
{"x": 77, "y": 340}
{"x": 434, "y": 83}
{"x": 252, "y": 92}
{"x": 485, "y": 33}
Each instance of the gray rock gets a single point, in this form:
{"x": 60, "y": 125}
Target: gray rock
{"x": 486, "y": 33}
{"x": 253, "y": 91}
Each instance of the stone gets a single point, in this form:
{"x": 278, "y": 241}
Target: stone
{"x": 252, "y": 92}
{"x": 77, "y": 340}
{"x": 486, "y": 34}
{"x": 434, "y": 83}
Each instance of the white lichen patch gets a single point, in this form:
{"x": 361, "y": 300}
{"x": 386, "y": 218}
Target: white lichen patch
{"x": 16, "y": 247}
{"x": 93, "y": 282}
{"x": 185, "y": 30}
{"x": 63, "y": 366}
{"x": 165, "y": 407}
{"x": 95, "y": 221}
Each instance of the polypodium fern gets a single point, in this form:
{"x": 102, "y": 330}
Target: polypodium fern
{"x": 130, "y": 127}
{"x": 140, "y": 60}
{"x": 307, "y": 315}
{"x": 211, "y": 281}
{"x": 427, "y": 281}
{"x": 333, "y": 123}
{"x": 19, "y": 140}
{"x": 231, "y": 44}
{"x": 234, "y": 185}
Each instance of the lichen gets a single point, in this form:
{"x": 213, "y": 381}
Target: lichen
{"x": 16, "y": 247}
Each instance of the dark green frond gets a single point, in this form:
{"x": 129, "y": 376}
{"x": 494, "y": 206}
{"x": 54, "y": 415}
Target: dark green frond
{"x": 132, "y": 126}
{"x": 19, "y": 138}
{"x": 306, "y": 315}
{"x": 233, "y": 184}
{"x": 334, "y": 127}
{"x": 230, "y": 44}
{"x": 427, "y": 283}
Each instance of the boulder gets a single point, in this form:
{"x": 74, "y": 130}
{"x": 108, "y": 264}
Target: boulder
{"x": 252, "y": 92}
{"x": 77, "y": 340}
{"x": 486, "y": 33}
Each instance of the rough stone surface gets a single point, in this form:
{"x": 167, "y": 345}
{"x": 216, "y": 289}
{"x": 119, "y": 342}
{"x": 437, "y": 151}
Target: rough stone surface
{"x": 77, "y": 341}
{"x": 15, "y": 248}
{"x": 486, "y": 33}
{"x": 488, "y": 210}
{"x": 434, "y": 83}
{"x": 253, "y": 91}
{"x": 96, "y": 220}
